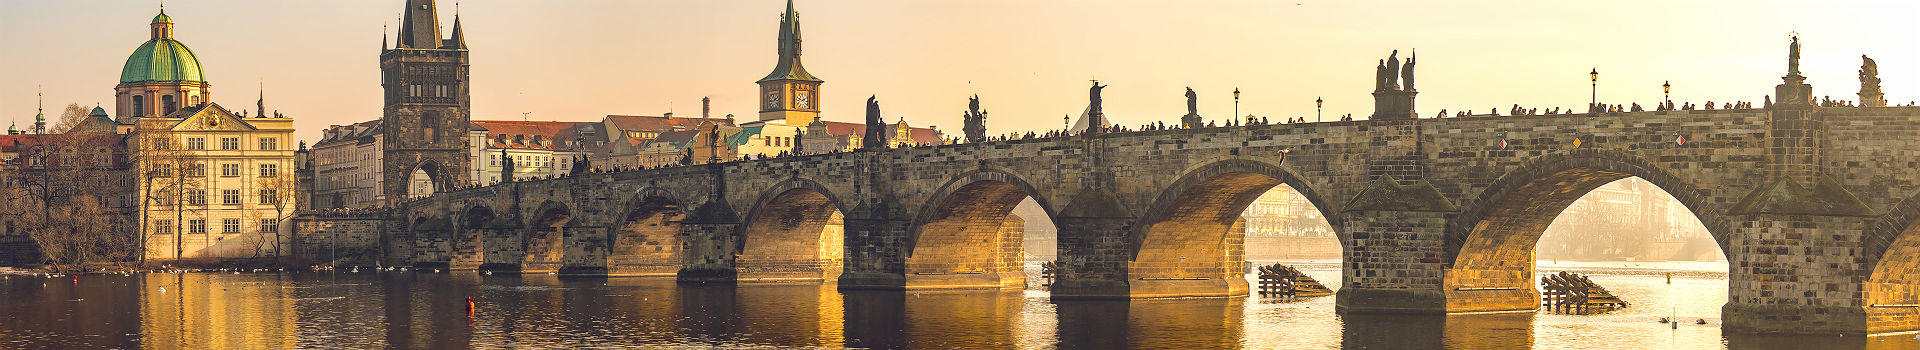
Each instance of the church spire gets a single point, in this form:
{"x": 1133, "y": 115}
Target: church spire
{"x": 261, "y": 105}
{"x": 420, "y": 26}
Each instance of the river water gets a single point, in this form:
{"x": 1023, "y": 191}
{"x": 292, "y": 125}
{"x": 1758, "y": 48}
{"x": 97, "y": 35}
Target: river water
{"x": 419, "y": 309}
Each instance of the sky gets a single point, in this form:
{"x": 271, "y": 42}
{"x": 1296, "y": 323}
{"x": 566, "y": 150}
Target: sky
{"x": 1029, "y": 61}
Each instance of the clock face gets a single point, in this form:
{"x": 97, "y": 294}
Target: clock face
{"x": 800, "y": 99}
{"x": 773, "y": 100}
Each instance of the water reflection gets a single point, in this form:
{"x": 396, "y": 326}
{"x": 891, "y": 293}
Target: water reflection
{"x": 429, "y": 310}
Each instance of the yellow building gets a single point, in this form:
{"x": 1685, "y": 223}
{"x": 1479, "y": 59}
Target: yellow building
{"x": 212, "y": 183}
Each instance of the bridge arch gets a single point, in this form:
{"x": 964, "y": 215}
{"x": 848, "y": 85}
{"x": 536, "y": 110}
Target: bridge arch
{"x": 963, "y": 219}
{"x": 546, "y": 237}
{"x": 1490, "y": 246}
{"x": 426, "y": 178}
{"x": 1509, "y": 216}
{"x": 1891, "y": 246}
{"x": 795, "y": 231}
{"x": 1184, "y": 239}
{"x": 647, "y": 238}
{"x": 432, "y": 241}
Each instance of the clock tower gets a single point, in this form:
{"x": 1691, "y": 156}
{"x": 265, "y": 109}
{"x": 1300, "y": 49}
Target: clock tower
{"x": 789, "y": 93}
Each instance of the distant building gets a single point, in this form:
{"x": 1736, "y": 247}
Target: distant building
{"x": 1284, "y": 212}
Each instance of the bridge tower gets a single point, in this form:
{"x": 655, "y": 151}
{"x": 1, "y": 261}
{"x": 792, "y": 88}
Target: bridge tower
{"x": 425, "y": 121}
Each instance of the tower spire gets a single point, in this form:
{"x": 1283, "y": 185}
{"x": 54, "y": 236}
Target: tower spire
{"x": 789, "y": 67}
{"x": 420, "y": 25}
{"x": 459, "y": 40}
{"x": 261, "y": 105}
{"x": 383, "y": 36}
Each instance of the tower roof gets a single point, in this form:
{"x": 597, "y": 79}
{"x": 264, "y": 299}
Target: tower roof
{"x": 161, "y": 58}
{"x": 789, "y": 68}
{"x": 420, "y": 26}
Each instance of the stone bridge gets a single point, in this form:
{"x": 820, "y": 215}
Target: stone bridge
{"x": 1811, "y": 206}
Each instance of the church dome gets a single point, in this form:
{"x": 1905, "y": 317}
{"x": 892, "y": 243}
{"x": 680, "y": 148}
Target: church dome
{"x": 98, "y": 112}
{"x": 162, "y": 59}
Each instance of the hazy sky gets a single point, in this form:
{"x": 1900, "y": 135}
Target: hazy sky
{"x": 578, "y": 60}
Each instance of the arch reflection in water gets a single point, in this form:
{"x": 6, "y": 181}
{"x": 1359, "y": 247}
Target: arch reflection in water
{"x": 1211, "y": 323}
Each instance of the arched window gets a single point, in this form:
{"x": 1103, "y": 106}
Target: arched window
{"x": 166, "y": 105}
{"x": 195, "y": 99}
{"x": 139, "y": 106}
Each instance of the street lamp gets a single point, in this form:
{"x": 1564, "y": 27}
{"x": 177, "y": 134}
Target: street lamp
{"x": 1666, "y": 91}
{"x": 1317, "y": 103}
{"x": 1236, "y": 102}
{"x": 1595, "y": 74}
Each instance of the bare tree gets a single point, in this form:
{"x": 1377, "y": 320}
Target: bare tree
{"x": 69, "y": 117}
{"x": 168, "y": 180}
{"x": 277, "y": 191}
{"x": 71, "y": 195}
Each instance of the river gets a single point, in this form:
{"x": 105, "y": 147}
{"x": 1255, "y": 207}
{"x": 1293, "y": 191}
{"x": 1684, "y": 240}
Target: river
{"x": 421, "y": 309}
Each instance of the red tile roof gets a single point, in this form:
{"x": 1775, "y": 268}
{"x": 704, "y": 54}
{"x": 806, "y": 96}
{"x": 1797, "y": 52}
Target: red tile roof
{"x": 522, "y": 134}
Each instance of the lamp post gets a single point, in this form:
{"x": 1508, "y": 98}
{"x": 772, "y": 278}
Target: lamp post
{"x": 1595, "y": 74}
{"x": 1666, "y": 92}
{"x": 1236, "y": 102}
{"x": 1066, "y": 123}
{"x": 1317, "y": 103}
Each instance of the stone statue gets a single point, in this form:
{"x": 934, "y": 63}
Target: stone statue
{"x": 1393, "y": 69}
{"x": 1192, "y": 102}
{"x": 976, "y": 121}
{"x": 1380, "y": 76}
{"x": 1095, "y": 120}
{"x": 876, "y": 135}
{"x": 1870, "y": 95}
{"x": 506, "y": 167}
{"x": 1406, "y": 72}
{"x": 1793, "y": 56}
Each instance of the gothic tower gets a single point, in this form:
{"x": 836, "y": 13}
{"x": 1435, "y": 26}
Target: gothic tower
{"x": 790, "y": 93}
{"x": 425, "y": 121}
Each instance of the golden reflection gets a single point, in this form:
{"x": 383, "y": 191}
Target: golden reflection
{"x": 790, "y": 315}
{"x": 932, "y": 319}
{"x": 1211, "y": 323}
{"x": 216, "y": 311}
{"x": 1478, "y": 331}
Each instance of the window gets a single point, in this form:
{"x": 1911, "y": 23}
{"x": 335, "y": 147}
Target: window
{"x": 197, "y": 197}
{"x": 197, "y": 226}
{"x": 229, "y": 169}
{"x": 139, "y": 106}
{"x": 269, "y": 143}
{"x": 230, "y": 197}
{"x": 163, "y": 227}
{"x": 269, "y": 196}
{"x": 163, "y": 170}
{"x": 196, "y": 143}
{"x": 230, "y": 226}
{"x": 166, "y": 105}
{"x": 162, "y": 144}
{"x": 229, "y": 143}
{"x": 197, "y": 170}
{"x": 269, "y": 170}
{"x": 267, "y": 225}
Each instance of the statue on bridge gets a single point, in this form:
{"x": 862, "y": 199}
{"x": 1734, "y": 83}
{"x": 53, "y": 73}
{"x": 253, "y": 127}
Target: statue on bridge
{"x": 975, "y": 120}
{"x": 1406, "y": 72}
{"x": 506, "y": 166}
{"x": 1793, "y": 56}
{"x": 1095, "y": 118}
{"x": 876, "y": 135}
{"x": 1393, "y": 70}
{"x": 1870, "y": 95}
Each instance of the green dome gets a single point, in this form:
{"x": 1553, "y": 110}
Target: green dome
{"x": 161, "y": 60}
{"x": 162, "y": 18}
{"x": 97, "y": 111}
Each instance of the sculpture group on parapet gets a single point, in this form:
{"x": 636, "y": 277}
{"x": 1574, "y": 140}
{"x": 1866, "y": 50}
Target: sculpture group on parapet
{"x": 1393, "y": 90}
{"x": 1391, "y": 69}
{"x": 975, "y": 121}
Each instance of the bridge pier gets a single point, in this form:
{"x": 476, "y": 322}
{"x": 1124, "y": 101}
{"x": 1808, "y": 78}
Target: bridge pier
{"x": 1801, "y": 274}
{"x": 876, "y": 251}
{"x": 1393, "y": 264}
{"x": 711, "y": 239}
